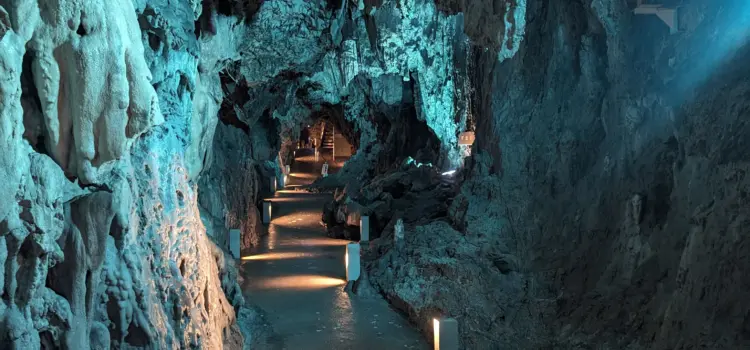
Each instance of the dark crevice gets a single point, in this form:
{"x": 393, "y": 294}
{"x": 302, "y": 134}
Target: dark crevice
{"x": 153, "y": 41}
{"x": 183, "y": 270}
{"x": 235, "y": 96}
{"x": 242, "y": 9}
{"x": 33, "y": 118}
{"x": 47, "y": 341}
{"x": 81, "y": 30}
{"x": 230, "y": 118}
{"x": 136, "y": 336}
{"x": 113, "y": 313}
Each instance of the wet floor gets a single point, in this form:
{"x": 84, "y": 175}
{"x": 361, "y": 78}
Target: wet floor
{"x": 296, "y": 277}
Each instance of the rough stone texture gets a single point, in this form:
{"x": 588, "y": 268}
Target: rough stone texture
{"x": 91, "y": 111}
{"x": 437, "y": 271}
{"x": 416, "y": 194}
{"x": 234, "y": 183}
{"x": 125, "y": 261}
{"x": 607, "y": 182}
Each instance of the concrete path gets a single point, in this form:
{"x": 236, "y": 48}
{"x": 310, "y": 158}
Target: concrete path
{"x": 296, "y": 278}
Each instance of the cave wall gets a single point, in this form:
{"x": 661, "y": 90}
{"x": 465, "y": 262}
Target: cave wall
{"x": 101, "y": 235}
{"x": 380, "y": 65}
{"x": 234, "y": 183}
{"x": 634, "y": 209}
{"x": 605, "y": 201}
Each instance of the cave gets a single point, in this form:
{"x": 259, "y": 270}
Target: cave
{"x": 374, "y": 174}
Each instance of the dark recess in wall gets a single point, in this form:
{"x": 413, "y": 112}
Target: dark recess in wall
{"x": 32, "y": 117}
{"x": 242, "y": 9}
{"x": 405, "y": 135}
{"x": 235, "y": 94}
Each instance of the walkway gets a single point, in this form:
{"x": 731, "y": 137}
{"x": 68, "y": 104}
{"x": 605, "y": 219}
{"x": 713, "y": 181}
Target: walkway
{"x": 296, "y": 277}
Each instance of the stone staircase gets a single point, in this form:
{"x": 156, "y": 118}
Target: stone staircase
{"x": 327, "y": 142}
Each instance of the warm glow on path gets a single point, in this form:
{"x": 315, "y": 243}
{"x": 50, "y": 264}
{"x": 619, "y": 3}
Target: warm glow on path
{"x": 296, "y": 277}
{"x": 299, "y": 282}
{"x": 280, "y": 256}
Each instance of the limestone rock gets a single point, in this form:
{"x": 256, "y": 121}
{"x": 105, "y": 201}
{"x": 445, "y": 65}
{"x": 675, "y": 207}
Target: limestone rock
{"x": 114, "y": 253}
{"x": 90, "y": 120}
{"x": 4, "y": 22}
{"x": 413, "y": 193}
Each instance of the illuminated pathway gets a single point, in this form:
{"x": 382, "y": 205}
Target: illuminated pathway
{"x": 296, "y": 277}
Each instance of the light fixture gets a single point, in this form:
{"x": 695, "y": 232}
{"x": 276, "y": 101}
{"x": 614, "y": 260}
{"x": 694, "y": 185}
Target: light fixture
{"x": 449, "y": 172}
{"x": 266, "y": 212}
{"x": 364, "y": 229}
{"x": 436, "y": 332}
{"x": 351, "y": 261}
{"x": 234, "y": 242}
{"x": 445, "y": 334}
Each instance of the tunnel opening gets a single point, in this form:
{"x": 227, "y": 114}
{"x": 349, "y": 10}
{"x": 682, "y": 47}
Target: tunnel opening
{"x": 323, "y": 138}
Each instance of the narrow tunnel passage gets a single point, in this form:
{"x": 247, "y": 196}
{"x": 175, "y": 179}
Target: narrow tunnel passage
{"x": 296, "y": 276}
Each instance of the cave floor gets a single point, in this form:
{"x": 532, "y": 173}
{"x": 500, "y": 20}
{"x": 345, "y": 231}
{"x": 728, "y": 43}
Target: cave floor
{"x": 305, "y": 169}
{"x": 296, "y": 278}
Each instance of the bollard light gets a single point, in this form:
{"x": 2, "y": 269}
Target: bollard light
{"x": 273, "y": 186}
{"x": 364, "y": 229}
{"x": 234, "y": 243}
{"x": 266, "y": 212}
{"x": 351, "y": 261}
{"x": 288, "y": 169}
{"x": 446, "y": 334}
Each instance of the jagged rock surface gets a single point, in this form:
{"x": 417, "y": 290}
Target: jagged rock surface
{"x": 125, "y": 261}
{"x": 231, "y": 187}
{"x": 614, "y": 211}
{"x": 415, "y": 194}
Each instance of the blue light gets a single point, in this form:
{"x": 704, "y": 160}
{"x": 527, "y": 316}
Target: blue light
{"x": 719, "y": 42}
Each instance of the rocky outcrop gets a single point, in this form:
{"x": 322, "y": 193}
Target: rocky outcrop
{"x": 597, "y": 203}
{"x": 413, "y": 192}
{"x": 102, "y": 244}
{"x": 231, "y": 188}
{"x": 82, "y": 127}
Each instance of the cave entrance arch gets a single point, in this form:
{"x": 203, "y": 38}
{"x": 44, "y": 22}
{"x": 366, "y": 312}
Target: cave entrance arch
{"x": 324, "y": 136}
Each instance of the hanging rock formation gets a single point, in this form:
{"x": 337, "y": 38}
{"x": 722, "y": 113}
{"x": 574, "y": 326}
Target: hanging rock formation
{"x": 101, "y": 238}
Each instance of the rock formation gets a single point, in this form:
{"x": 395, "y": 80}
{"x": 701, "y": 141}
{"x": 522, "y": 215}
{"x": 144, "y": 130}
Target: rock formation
{"x": 102, "y": 242}
{"x": 596, "y": 203}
